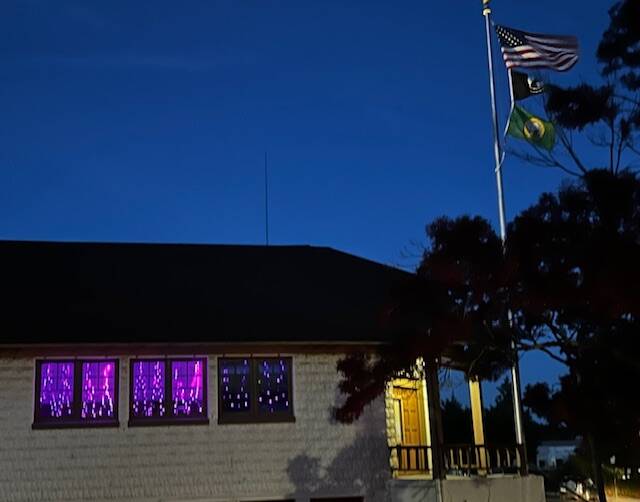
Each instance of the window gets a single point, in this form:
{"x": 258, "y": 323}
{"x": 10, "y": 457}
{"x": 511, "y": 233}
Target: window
{"x": 76, "y": 393}
{"x": 397, "y": 415}
{"x": 168, "y": 391}
{"x": 255, "y": 390}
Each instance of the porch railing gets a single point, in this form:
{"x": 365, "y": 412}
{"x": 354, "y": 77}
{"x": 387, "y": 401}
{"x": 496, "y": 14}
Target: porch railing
{"x": 460, "y": 459}
{"x": 413, "y": 459}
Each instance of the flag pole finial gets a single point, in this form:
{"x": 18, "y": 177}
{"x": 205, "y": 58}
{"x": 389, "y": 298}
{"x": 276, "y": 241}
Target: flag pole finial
{"x": 486, "y": 10}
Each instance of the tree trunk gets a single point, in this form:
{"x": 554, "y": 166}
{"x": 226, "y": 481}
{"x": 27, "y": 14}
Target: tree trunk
{"x": 597, "y": 468}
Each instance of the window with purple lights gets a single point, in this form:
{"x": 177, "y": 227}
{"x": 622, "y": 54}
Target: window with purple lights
{"x": 255, "y": 389}
{"x": 76, "y": 393}
{"x": 168, "y": 391}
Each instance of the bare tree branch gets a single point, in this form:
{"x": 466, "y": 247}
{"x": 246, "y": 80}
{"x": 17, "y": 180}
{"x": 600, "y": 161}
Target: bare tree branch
{"x": 569, "y": 147}
{"x": 612, "y": 143}
{"x": 535, "y": 346}
{"x": 542, "y": 160}
{"x": 621, "y": 143}
{"x": 627, "y": 99}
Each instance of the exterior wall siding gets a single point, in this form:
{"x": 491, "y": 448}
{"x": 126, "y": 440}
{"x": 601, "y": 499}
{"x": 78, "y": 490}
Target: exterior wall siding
{"x": 312, "y": 457}
{"x": 390, "y": 426}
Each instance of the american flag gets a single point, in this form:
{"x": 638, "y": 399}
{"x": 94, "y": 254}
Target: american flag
{"x": 532, "y": 50}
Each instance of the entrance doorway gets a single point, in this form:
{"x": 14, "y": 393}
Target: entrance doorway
{"x": 410, "y": 425}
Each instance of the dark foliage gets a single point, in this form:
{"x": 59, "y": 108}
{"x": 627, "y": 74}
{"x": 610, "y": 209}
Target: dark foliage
{"x": 577, "y": 282}
{"x": 457, "y": 423}
{"x": 499, "y": 426}
{"x": 580, "y": 106}
{"x": 570, "y": 277}
{"x": 610, "y": 415}
{"x": 448, "y": 311}
{"x": 619, "y": 49}
{"x": 609, "y": 113}
{"x": 365, "y": 378}
{"x": 576, "y": 296}
{"x": 465, "y": 264}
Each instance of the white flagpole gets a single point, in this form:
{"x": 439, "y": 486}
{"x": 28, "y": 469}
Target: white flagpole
{"x": 512, "y": 106}
{"x": 266, "y": 201}
{"x": 497, "y": 151}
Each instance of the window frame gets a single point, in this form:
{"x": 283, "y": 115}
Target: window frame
{"x": 169, "y": 419}
{"x": 254, "y": 416}
{"x": 354, "y": 498}
{"x": 76, "y": 422}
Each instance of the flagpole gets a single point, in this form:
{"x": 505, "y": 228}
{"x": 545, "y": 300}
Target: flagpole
{"x": 513, "y": 100}
{"x": 511, "y": 96}
{"x": 266, "y": 201}
{"x": 497, "y": 152}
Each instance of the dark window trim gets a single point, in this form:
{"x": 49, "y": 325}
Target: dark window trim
{"x": 75, "y": 422}
{"x": 75, "y": 425}
{"x": 354, "y": 498}
{"x": 169, "y": 419}
{"x": 254, "y": 416}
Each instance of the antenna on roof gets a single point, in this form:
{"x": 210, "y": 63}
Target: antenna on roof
{"x": 266, "y": 201}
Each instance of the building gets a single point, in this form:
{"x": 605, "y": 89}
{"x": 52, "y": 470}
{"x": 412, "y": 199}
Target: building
{"x": 552, "y": 454}
{"x": 198, "y": 372}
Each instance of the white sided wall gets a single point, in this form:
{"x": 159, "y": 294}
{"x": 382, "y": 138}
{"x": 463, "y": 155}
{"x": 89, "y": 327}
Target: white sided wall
{"x": 477, "y": 489}
{"x": 313, "y": 457}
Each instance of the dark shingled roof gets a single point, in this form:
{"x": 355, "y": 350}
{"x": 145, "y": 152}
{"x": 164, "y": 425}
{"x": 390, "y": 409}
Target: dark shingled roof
{"x": 67, "y": 292}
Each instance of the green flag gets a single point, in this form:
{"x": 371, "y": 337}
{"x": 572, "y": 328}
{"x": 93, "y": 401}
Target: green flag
{"x": 538, "y": 132}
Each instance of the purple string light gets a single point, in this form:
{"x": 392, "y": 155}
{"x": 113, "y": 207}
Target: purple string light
{"x": 273, "y": 385}
{"x": 234, "y": 385}
{"x": 97, "y": 391}
{"x": 98, "y": 383}
{"x": 148, "y": 389}
{"x": 56, "y": 390}
{"x": 187, "y": 387}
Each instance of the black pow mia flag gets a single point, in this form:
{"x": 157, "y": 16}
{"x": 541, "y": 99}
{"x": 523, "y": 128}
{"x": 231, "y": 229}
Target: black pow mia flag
{"x": 524, "y": 86}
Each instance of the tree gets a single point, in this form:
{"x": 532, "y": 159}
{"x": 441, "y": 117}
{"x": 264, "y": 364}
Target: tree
{"x": 442, "y": 311}
{"x": 576, "y": 296}
{"x": 607, "y": 114}
{"x": 499, "y": 425}
{"x": 566, "y": 283}
{"x": 457, "y": 422}
{"x": 570, "y": 276}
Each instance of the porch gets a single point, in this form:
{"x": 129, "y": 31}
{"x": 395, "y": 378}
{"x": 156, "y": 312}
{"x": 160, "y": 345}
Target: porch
{"x": 425, "y": 467}
{"x": 458, "y": 460}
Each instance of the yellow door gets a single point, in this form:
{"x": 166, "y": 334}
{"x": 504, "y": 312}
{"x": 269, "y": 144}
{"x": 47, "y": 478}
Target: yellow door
{"x": 409, "y": 414}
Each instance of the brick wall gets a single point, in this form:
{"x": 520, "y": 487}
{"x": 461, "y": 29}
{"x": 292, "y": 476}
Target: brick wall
{"x": 313, "y": 457}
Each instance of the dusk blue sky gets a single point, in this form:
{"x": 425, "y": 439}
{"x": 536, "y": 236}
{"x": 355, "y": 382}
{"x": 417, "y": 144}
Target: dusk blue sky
{"x": 148, "y": 121}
